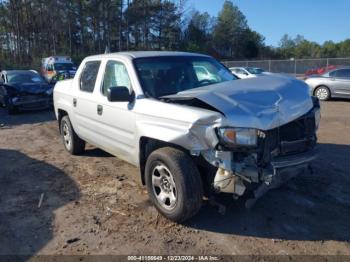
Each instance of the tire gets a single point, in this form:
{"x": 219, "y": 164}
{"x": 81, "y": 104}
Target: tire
{"x": 72, "y": 143}
{"x": 322, "y": 93}
{"x": 174, "y": 184}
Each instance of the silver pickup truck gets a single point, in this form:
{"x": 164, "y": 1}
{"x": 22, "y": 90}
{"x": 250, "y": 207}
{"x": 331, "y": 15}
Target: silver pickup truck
{"x": 191, "y": 127}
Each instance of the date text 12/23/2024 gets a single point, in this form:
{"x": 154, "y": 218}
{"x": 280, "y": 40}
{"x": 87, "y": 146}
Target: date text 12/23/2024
{"x": 173, "y": 258}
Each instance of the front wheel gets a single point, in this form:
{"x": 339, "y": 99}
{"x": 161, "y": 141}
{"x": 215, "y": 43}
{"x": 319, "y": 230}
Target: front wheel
{"x": 73, "y": 144}
{"x": 323, "y": 93}
{"x": 174, "y": 184}
{"x": 11, "y": 109}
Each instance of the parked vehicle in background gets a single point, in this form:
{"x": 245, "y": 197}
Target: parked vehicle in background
{"x": 320, "y": 71}
{"x": 56, "y": 68}
{"x": 189, "y": 135}
{"x": 247, "y": 72}
{"x": 335, "y": 83}
{"x": 24, "y": 90}
{"x": 203, "y": 73}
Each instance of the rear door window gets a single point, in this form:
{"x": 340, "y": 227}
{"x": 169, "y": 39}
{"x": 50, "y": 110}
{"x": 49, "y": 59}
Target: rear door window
{"x": 89, "y": 75}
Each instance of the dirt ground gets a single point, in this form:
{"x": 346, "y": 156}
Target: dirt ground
{"x": 95, "y": 203}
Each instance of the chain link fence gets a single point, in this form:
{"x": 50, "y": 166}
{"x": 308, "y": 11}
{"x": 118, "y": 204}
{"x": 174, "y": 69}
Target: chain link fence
{"x": 297, "y": 67}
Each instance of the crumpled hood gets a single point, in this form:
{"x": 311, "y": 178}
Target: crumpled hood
{"x": 263, "y": 103}
{"x": 31, "y": 88}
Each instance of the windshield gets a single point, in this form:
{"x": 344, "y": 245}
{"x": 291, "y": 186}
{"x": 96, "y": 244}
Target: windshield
{"x": 167, "y": 75}
{"x": 26, "y": 77}
{"x": 255, "y": 71}
{"x": 64, "y": 67}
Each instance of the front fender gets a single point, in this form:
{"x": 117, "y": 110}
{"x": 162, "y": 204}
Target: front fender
{"x": 191, "y": 136}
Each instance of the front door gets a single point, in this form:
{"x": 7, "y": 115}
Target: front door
{"x": 116, "y": 119}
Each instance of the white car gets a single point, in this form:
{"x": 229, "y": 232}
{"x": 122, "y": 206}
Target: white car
{"x": 190, "y": 136}
{"x": 248, "y": 72}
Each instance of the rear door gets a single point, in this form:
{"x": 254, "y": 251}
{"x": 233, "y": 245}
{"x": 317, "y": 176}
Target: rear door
{"x": 342, "y": 82}
{"x": 84, "y": 103}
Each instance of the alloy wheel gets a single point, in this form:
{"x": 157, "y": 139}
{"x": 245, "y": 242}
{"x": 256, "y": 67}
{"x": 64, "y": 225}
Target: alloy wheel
{"x": 322, "y": 93}
{"x": 66, "y": 136}
{"x": 164, "y": 187}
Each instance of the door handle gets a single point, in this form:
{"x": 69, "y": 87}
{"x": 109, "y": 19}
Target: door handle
{"x": 74, "y": 102}
{"x": 99, "y": 109}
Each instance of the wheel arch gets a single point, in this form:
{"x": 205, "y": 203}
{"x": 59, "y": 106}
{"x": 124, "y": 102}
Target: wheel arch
{"x": 146, "y": 146}
{"x": 322, "y": 85}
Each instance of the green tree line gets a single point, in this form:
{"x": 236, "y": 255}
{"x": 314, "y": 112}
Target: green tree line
{"x": 299, "y": 47}
{"x": 32, "y": 29}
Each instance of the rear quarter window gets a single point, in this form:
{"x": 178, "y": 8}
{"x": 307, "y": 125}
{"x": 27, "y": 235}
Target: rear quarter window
{"x": 332, "y": 74}
{"x": 89, "y": 75}
{"x": 343, "y": 73}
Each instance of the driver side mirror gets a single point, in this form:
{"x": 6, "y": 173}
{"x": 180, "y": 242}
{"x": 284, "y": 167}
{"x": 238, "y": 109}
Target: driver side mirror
{"x": 119, "y": 94}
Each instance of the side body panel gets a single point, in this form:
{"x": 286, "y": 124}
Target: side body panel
{"x": 342, "y": 86}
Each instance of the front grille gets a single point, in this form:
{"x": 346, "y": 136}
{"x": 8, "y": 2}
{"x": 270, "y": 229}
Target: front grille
{"x": 30, "y": 98}
{"x": 299, "y": 129}
{"x": 295, "y": 137}
{"x": 35, "y": 105}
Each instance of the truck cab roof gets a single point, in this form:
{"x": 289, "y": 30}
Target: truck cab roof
{"x": 143, "y": 54}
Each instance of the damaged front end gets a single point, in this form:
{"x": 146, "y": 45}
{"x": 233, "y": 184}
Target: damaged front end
{"x": 266, "y": 136}
{"x": 273, "y": 158}
{"x": 34, "y": 98}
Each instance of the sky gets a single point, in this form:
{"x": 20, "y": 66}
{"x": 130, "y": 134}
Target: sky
{"x": 316, "y": 20}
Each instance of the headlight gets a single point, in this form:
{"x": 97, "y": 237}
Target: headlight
{"x": 49, "y": 92}
{"x": 317, "y": 118}
{"x": 238, "y": 136}
{"x": 14, "y": 100}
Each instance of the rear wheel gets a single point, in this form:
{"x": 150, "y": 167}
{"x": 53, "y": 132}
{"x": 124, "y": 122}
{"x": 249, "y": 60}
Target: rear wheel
{"x": 323, "y": 93}
{"x": 174, "y": 184}
{"x": 73, "y": 144}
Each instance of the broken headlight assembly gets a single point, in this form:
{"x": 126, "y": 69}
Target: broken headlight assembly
{"x": 238, "y": 137}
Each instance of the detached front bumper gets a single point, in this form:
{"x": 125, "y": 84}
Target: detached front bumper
{"x": 283, "y": 169}
{"x": 294, "y": 160}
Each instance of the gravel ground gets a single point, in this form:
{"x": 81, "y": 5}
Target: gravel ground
{"x": 95, "y": 203}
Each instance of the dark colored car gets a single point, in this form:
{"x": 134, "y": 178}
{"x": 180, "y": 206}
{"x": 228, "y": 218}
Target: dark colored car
{"x": 335, "y": 83}
{"x": 24, "y": 90}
